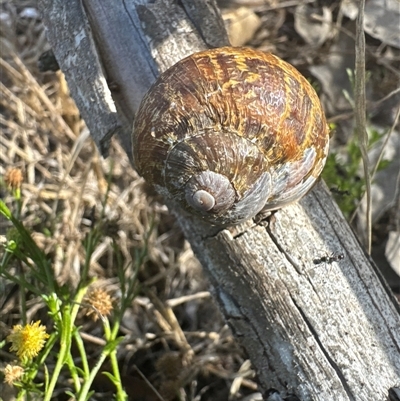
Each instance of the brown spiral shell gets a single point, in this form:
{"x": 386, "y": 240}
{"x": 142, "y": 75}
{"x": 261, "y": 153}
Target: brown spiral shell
{"x": 230, "y": 131}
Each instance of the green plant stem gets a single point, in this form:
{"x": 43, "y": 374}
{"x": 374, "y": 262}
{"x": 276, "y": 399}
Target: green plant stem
{"x": 90, "y": 243}
{"x": 21, "y": 395}
{"x": 82, "y": 396}
{"x": 109, "y": 350}
{"x": 112, "y": 335}
{"x": 66, "y": 326}
{"x": 77, "y": 304}
{"x": 7, "y": 257}
{"x": 22, "y": 297}
{"x": 17, "y": 197}
{"x": 82, "y": 352}
{"x": 36, "y": 254}
{"x": 72, "y": 368}
{"x": 87, "y": 384}
{"x": 65, "y": 345}
{"x": 93, "y": 239}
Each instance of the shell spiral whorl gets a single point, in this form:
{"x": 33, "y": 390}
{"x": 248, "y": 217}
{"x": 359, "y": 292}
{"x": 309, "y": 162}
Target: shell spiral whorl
{"x": 227, "y": 132}
{"x": 210, "y": 191}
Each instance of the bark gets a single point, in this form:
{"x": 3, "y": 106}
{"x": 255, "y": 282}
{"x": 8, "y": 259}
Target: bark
{"x": 325, "y": 331}
{"x": 67, "y": 25}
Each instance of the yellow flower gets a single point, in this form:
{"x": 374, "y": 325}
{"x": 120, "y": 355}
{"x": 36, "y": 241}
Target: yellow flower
{"x": 28, "y": 340}
{"x": 12, "y": 373}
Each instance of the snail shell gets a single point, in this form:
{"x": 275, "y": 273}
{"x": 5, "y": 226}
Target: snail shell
{"x": 230, "y": 131}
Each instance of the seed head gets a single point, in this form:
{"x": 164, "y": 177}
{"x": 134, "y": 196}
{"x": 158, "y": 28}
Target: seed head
{"x": 100, "y": 301}
{"x": 13, "y": 178}
{"x": 12, "y": 374}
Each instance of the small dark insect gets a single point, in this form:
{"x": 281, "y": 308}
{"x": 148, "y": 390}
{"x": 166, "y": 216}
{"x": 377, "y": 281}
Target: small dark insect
{"x": 329, "y": 258}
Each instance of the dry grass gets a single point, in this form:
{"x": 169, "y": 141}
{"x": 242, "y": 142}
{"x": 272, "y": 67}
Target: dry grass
{"x": 173, "y": 322}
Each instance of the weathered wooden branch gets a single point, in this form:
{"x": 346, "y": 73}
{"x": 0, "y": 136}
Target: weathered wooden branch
{"x": 327, "y": 331}
{"x": 76, "y": 53}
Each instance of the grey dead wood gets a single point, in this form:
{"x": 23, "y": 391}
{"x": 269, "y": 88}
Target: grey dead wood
{"x": 76, "y": 54}
{"x": 327, "y": 331}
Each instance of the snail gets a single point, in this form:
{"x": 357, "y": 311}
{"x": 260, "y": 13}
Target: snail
{"x": 228, "y": 132}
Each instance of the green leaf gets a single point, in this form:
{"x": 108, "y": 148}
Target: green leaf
{"x": 112, "y": 378}
{"x": 46, "y": 378}
{"x": 112, "y": 345}
{"x": 5, "y": 211}
{"x": 80, "y": 371}
{"x": 90, "y": 393}
{"x": 383, "y": 164}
